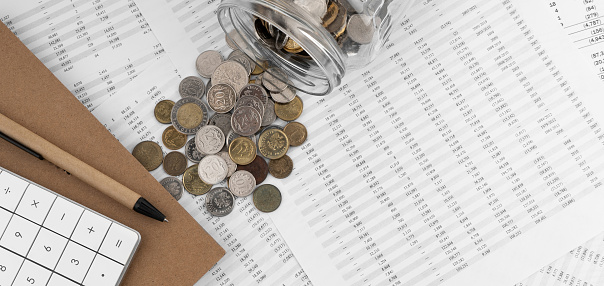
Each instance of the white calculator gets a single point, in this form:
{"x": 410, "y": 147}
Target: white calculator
{"x": 47, "y": 239}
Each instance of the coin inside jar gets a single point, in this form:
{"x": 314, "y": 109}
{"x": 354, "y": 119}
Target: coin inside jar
{"x": 273, "y": 143}
{"x": 173, "y": 139}
{"x": 221, "y": 98}
{"x": 209, "y": 139}
{"x": 258, "y": 168}
{"x": 267, "y": 198}
{"x": 189, "y": 114}
{"x": 175, "y": 163}
{"x": 296, "y": 133}
{"x": 192, "y": 183}
{"x": 361, "y": 28}
{"x": 220, "y": 201}
{"x": 242, "y": 150}
{"x": 289, "y": 111}
{"x": 242, "y": 183}
{"x": 281, "y": 168}
{"x": 162, "y": 111}
{"x": 173, "y": 186}
{"x": 149, "y": 154}
{"x": 212, "y": 169}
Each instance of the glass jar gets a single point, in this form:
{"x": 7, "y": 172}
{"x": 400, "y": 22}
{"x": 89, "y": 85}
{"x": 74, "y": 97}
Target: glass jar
{"x": 315, "y": 42}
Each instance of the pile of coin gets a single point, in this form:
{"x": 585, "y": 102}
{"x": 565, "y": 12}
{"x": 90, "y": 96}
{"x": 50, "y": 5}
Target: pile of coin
{"x": 242, "y": 118}
{"x": 343, "y": 23}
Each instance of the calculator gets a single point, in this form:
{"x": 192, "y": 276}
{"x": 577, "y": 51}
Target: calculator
{"x": 47, "y": 239}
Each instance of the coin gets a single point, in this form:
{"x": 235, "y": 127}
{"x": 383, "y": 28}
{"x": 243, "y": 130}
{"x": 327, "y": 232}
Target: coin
{"x": 207, "y": 62}
{"x": 289, "y": 111}
{"x": 242, "y": 150}
{"x": 209, "y": 139}
{"x": 212, "y": 169}
{"x": 256, "y": 91}
{"x": 285, "y": 96}
{"x": 337, "y": 27}
{"x": 251, "y": 101}
{"x": 191, "y": 151}
{"x": 281, "y": 168}
{"x": 221, "y": 98}
{"x": 173, "y": 139}
{"x": 223, "y": 121}
{"x": 232, "y": 136}
{"x": 173, "y": 186}
{"x": 220, "y": 201}
{"x": 296, "y": 133}
{"x": 242, "y": 183}
{"x": 162, "y": 111}
{"x": 175, "y": 163}
{"x": 361, "y": 28}
{"x": 243, "y": 60}
{"x": 193, "y": 184}
{"x": 330, "y": 14}
{"x": 280, "y": 40}
{"x": 273, "y": 143}
{"x": 189, "y": 114}
{"x": 149, "y": 154}
{"x": 260, "y": 68}
{"x": 267, "y": 198}
{"x": 275, "y": 80}
{"x": 246, "y": 121}
{"x": 232, "y": 73}
{"x": 269, "y": 113}
{"x": 258, "y": 168}
{"x": 292, "y": 47}
{"x": 231, "y": 166}
{"x": 191, "y": 86}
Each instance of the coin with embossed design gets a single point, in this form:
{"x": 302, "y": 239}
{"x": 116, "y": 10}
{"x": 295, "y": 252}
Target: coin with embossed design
{"x": 162, "y": 111}
{"x": 209, "y": 139}
{"x": 273, "y": 143}
{"x": 242, "y": 150}
{"x": 191, "y": 86}
{"x": 189, "y": 114}
{"x": 231, "y": 166}
{"x": 256, "y": 91}
{"x": 173, "y": 186}
{"x": 251, "y": 101}
{"x": 213, "y": 169}
{"x": 246, "y": 120}
{"x": 275, "y": 80}
{"x": 232, "y": 73}
{"x": 267, "y": 198}
{"x": 207, "y": 62}
{"x": 191, "y": 151}
{"x": 193, "y": 184}
{"x": 223, "y": 121}
{"x": 221, "y": 98}
{"x": 242, "y": 183}
{"x": 269, "y": 113}
{"x": 220, "y": 201}
{"x": 281, "y": 168}
{"x": 289, "y": 111}
{"x": 173, "y": 139}
{"x": 361, "y": 28}
{"x": 149, "y": 154}
{"x": 296, "y": 133}
{"x": 175, "y": 163}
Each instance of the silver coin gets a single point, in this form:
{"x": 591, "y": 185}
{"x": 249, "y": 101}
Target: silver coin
{"x": 212, "y": 169}
{"x": 232, "y": 166}
{"x": 223, "y": 121}
{"x": 246, "y": 120}
{"x": 259, "y": 79}
{"x": 209, "y": 139}
{"x": 173, "y": 186}
{"x": 285, "y": 96}
{"x": 189, "y": 114}
{"x": 220, "y": 201}
{"x": 237, "y": 53}
{"x": 232, "y": 136}
{"x": 232, "y": 73}
{"x": 256, "y": 91}
{"x": 221, "y": 98}
{"x": 275, "y": 80}
{"x": 191, "y": 86}
{"x": 269, "y": 113}
{"x": 360, "y": 28}
{"x": 243, "y": 60}
{"x": 251, "y": 101}
{"x": 207, "y": 62}
{"x": 191, "y": 151}
{"x": 316, "y": 8}
{"x": 242, "y": 183}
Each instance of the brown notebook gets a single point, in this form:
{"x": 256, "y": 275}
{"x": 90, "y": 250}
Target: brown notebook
{"x": 174, "y": 253}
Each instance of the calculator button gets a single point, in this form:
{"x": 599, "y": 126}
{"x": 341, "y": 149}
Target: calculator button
{"x": 19, "y": 235}
{"x": 63, "y": 217}
{"x": 58, "y": 280}
{"x": 35, "y": 204}
{"x": 119, "y": 243}
{"x": 4, "y": 219}
{"x": 47, "y": 248}
{"x": 11, "y": 190}
{"x": 32, "y": 274}
{"x": 9, "y": 266}
{"x": 103, "y": 272}
{"x": 91, "y": 230}
{"x": 75, "y": 261}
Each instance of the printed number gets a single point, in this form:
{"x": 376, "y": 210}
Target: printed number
{"x": 48, "y": 249}
{"x": 75, "y": 261}
{"x": 552, "y": 4}
{"x": 18, "y": 234}
{"x": 2, "y": 268}
{"x": 31, "y": 280}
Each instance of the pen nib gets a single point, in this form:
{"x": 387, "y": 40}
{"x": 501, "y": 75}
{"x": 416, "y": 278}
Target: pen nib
{"x": 166, "y": 220}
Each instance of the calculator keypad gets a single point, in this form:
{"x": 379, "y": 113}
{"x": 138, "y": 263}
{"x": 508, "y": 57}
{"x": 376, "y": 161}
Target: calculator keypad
{"x": 46, "y": 239}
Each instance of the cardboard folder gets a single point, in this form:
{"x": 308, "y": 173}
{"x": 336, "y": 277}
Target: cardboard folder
{"x": 174, "y": 253}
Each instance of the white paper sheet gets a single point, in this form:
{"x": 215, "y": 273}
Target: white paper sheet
{"x": 255, "y": 251}
{"x": 94, "y": 47}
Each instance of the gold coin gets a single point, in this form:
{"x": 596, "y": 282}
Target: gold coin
{"x": 149, "y": 154}
{"x": 258, "y": 69}
{"x": 292, "y": 47}
{"x": 189, "y": 115}
{"x": 242, "y": 150}
{"x": 193, "y": 184}
{"x": 331, "y": 14}
{"x": 267, "y": 198}
{"x": 175, "y": 163}
{"x": 296, "y": 133}
{"x": 289, "y": 111}
{"x": 163, "y": 110}
{"x": 173, "y": 139}
{"x": 273, "y": 143}
{"x": 281, "y": 168}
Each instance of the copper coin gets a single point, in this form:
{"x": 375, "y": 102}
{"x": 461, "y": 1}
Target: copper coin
{"x": 163, "y": 110}
{"x": 289, "y": 111}
{"x": 173, "y": 139}
{"x": 175, "y": 163}
{"x": 193, "y": 184}
{"x": 258, "y": 168}
{"x": 149, "y": 154}
{"x": 296, "y": 133}
{"x": 281, "y": 168}
{"x": 267, "y": 198}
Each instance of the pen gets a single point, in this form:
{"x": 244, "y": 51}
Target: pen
{"x": 42, "y": 149}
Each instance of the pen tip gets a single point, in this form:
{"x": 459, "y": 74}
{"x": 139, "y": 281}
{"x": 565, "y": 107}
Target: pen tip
{"x": 166, "y": 220}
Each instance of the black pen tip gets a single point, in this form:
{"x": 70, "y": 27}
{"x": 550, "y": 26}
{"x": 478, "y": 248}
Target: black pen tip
{"x": 145, "y": 207}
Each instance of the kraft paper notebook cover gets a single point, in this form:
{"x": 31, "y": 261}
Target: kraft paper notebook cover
{"x": 174, "y": 253}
